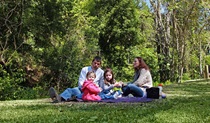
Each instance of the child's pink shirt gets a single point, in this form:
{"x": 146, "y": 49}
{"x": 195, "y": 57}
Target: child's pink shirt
{"x": 90, "y": 91}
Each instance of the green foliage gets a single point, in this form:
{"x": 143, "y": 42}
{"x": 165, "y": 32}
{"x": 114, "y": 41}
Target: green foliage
{"x": 45, "y": 43}
{"x": 207, "y": 60}
{"x": 118, "y": 32}
{"x": 9, "y": 83}
{"x": 30, "y": 93}
{"x": 194, "y": 65}
{"x": 186, "y": 76}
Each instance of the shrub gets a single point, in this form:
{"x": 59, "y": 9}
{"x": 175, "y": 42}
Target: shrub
{"x": 9, "y": 83}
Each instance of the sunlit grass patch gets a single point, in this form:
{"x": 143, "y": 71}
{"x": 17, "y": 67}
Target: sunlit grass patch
{"x": 185, "y": 103}
{"x": 24, "y": 102}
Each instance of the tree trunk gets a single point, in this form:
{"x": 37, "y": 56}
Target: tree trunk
{"x": 162, "y": 26}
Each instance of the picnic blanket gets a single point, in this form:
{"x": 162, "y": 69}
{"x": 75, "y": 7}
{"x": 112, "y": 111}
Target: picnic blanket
{"x": 123, "y": 99}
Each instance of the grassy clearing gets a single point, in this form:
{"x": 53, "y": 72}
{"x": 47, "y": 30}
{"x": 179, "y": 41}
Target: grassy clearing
{"x": 185, "y": 103}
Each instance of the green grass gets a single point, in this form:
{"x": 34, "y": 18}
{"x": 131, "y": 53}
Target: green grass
{"x": 185, "y": 103}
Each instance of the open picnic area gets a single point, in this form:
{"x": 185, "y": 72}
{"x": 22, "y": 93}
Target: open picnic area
{"x": 185, "y": 103}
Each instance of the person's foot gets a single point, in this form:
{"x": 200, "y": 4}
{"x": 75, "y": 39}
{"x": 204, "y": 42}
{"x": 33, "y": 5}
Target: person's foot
{"x": 54, "y": 96}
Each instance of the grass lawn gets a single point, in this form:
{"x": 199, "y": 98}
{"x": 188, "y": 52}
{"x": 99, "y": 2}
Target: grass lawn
{"x": 185, "y": 103}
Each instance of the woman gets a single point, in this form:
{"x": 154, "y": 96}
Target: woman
{"x": 142, "y": 79}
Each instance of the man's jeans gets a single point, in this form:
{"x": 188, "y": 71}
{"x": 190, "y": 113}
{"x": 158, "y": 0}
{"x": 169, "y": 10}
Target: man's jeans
{"x": 69, "y": 92}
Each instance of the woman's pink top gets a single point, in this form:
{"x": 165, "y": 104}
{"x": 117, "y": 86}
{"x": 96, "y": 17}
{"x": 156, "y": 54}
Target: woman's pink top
{"x": 90, "y": 91}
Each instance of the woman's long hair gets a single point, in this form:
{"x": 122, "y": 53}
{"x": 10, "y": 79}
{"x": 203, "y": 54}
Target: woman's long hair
{"x": 142, "y": 64}
{"x": 112, "y": 81}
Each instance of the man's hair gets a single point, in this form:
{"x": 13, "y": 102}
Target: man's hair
{"x": 97, "y": 58}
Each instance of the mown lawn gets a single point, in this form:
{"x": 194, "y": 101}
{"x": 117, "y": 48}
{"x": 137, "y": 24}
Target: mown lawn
{"x": 185, "y": 103}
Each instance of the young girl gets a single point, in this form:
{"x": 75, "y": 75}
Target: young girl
{"x": 112, "y": 89}
{"x": 90, "y": 89}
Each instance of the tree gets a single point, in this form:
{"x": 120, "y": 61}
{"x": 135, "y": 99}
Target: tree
{"x": 119, "y": 30}
{"x": 162, "y": 38}
{"x": 177, "y": 35}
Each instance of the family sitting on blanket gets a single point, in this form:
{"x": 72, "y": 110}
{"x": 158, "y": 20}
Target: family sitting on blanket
{"x": 105, "y": 80}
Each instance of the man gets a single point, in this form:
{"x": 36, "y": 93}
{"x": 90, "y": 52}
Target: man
{"x": 96, "y": 63}
{"x": 71, "y": 93}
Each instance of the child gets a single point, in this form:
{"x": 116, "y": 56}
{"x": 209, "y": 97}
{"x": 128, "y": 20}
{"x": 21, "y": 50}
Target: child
{"x": 112, "y": 89}
{"x": 90, "y": 89}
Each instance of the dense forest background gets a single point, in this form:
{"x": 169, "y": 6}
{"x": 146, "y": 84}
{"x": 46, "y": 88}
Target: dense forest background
{"x": 45, "y": 43}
